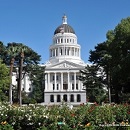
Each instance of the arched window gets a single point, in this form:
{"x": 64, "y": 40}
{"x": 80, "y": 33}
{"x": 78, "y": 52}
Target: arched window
{"x": 65, "y": 98}
{"x": 61, "y": 40}
{"x": 58, "y": 98}
{"x": 78, "y": 97}
{"x": 51, "y": 98}
{"x": 71, "y": 98}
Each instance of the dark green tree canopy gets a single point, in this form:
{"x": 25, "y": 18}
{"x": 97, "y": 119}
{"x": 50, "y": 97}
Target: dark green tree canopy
{"x": 4, "y": 82}
{"x": 113, "y": 55}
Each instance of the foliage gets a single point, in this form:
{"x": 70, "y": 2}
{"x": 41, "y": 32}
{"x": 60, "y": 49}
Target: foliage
{"x": 92, "y": 80}
{"x": 83, "y": 117}
{"x": 37, "y": 78}
{"x": 4, "y": 82}
{"x": 12, "y": 55}
{"x": 114, "y": 57}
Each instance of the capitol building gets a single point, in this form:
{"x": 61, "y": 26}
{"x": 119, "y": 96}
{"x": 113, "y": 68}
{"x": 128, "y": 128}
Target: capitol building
{"x": 62, "y": 69}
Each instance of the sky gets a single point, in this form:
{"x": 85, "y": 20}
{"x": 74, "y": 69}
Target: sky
{"x": 33, "y": 22}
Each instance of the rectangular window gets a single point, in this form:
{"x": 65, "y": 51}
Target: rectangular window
{"x": 57, "y": 86}
{"x": 77, "y": 86}
{"x": 72, "y": 86}
{"x": 51, "y": 98}
{"x": 57, "y": 77}
{"x": 65, "y": 86}
{"x": 53, "y": 77}
{"x": 53, "y": 86}
{"x": 72, "y": 77}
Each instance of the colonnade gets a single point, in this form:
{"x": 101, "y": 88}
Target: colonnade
{"x": 62, "y": 81}
{"x": 70, "y": 51}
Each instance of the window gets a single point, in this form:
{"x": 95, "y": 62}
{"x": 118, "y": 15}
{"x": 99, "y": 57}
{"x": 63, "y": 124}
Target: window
{"x": 78, "y": 97}
{"x": 58, "y": 40}
{"x": 53, "y": 86}
{"x": 68, "y": 51}
{"x": 77, "y": 86}
{"x": 72, "y": 77}
{"x": 60, "y": 51}
{"x": 65, "y": 86}
{"x": 71, "y": 98}
{"x": 57, "y": 86}
{"x": 53, "y": 77}
{"x": 58, "y": 98}
{"x": 77, "y": 77}
{"x": 61, "y": 40}
{"x": 67, "y": 40}
{"x": 57, "y": 77}
{"x": 51, "y": 98}
{"x": 65, "y": 98}
{"x": 72, "y": 86}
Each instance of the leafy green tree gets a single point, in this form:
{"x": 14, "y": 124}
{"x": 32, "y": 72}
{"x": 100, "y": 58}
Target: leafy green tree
{"x": 120, "y": 49}
{"x": 102, "y": 58}
{"x": 37, "y": 76}
{"x": 4, "y": 82}
{"x": 93, "y": 81}
{"x": 113, "y": 56}
{"x": 22, "y": 57}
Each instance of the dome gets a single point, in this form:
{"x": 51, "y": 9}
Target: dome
{"x": 64, "y": 28}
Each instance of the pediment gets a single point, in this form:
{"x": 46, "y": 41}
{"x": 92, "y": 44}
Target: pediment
{"x": 64, "y": 65}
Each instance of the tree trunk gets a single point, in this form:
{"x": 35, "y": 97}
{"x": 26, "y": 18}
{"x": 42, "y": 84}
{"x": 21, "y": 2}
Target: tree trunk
{"x": 20, "y": 79}
{"x": 10, "y": 87}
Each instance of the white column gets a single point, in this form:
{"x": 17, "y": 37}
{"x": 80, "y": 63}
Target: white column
{"x": 55, "y": 52}
{"x": 55, "y": 82}
{"x": 74, "y": 80}
{"x": 79, "y": 52}
{"x": 48, "y": 81}
{"x": 58, "y": 52}
{"x": 68, "y": 81}
{"x": 61, "y": 80}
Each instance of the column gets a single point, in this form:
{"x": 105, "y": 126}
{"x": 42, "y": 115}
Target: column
{"x": 58, "y": 51}
{"x": 55, "y": 82}
{"x": 48, "y": 81}
{"x": 61, "y": 80}
{"x": 74, "y": 80}
{"x": 55, "y": 52}
{"x": 79, "y": 52}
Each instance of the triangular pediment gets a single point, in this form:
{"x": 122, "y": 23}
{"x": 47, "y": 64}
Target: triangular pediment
{"x": 64, "y": 65}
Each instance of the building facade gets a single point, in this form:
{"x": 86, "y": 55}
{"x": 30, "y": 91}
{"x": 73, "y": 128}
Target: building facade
{"x": 62, "y": 68}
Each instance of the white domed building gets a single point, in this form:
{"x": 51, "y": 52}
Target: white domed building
{"x": 62, "y": 69}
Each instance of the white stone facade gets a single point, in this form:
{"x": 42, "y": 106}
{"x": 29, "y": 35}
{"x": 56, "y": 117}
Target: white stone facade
{"x": 62, "y": 69}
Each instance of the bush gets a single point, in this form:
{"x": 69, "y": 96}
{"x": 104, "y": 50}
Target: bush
{"x": 83, "y": 117}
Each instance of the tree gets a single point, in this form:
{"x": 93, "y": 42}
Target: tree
{"x": 102, "y": 58}
{"x": 4, "y": 82}
{"x": 113, "y": 56}
{"x": 23, "y": 57}
{"x": 37, "y": 76}
{"x": 93, "y": 81}
{"x": 120, "y": 49}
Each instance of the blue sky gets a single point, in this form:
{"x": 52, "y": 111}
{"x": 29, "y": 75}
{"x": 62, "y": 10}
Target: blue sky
{"x": 33, "y": 22}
